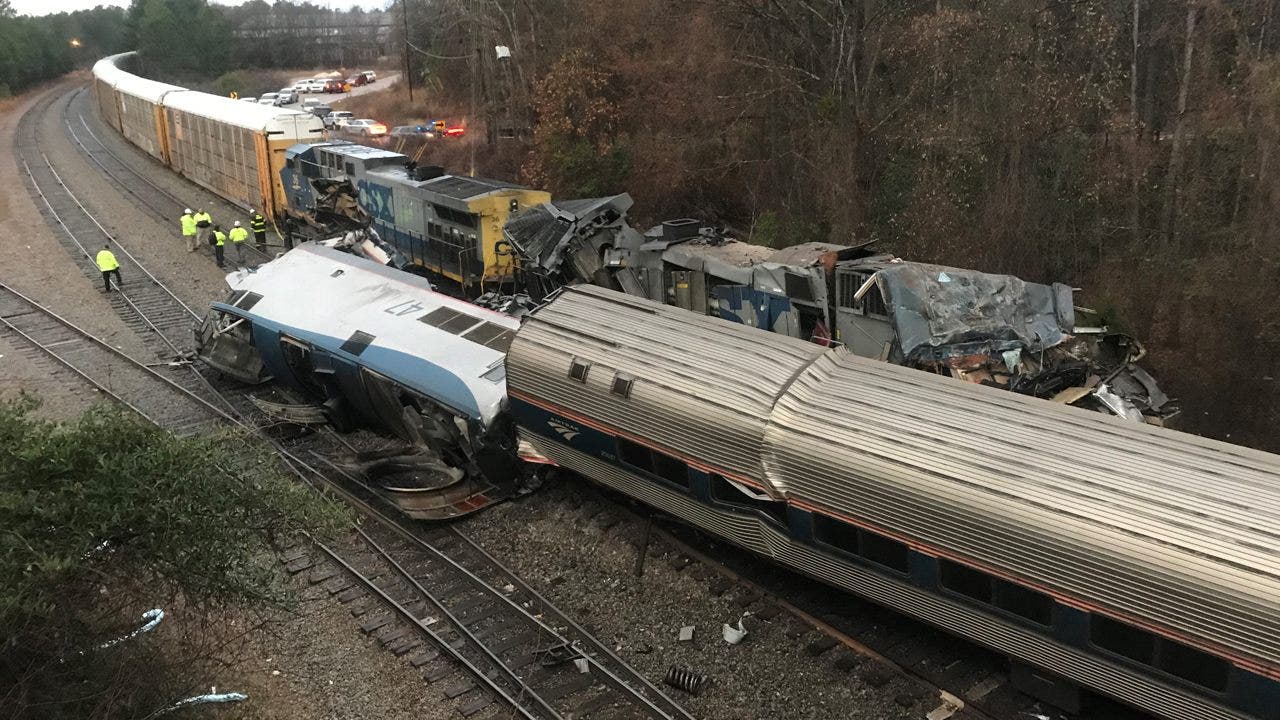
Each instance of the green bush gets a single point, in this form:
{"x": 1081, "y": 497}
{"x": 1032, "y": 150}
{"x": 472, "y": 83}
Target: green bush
{"x": 109, "y": 513}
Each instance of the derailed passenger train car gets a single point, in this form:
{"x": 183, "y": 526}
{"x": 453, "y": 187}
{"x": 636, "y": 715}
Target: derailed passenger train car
{"x": 364, "y": 345}
{"x": 1135, "y": 561}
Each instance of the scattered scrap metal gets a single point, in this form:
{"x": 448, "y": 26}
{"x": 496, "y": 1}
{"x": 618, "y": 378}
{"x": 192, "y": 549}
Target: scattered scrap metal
{"x": 977, "y": 327}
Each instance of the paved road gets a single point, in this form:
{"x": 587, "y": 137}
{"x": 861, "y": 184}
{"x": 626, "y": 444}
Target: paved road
{"x": 333, "y": 99}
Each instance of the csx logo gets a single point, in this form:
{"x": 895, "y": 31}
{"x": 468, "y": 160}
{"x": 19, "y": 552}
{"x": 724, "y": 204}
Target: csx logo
{"x": 566, "y": 430}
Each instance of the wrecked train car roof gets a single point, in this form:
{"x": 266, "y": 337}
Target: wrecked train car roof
{"x": 933, "y": 306}
{"x": 445, "y": 348}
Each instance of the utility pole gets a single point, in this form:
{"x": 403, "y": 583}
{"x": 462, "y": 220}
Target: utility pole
{"x": 475, "y": 73}
{"x": 408, "y": 76}
{"x": 471, "y": 138}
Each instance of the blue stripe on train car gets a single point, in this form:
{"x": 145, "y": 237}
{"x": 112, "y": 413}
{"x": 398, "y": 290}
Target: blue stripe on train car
{"x": 409, "y": 370}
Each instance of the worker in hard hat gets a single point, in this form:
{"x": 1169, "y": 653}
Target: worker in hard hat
{"x": 238, "y": 235}
{"x": 204, "y": 227}
{"x": 258, "y": 224}
{"x": 188, "y": 221}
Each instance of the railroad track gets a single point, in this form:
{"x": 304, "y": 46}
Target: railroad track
{"x": 109, "y": 370}
{"x": 432, "y": 600}
{"x": 147, "y": 195}
{"x": 147, "y": 305}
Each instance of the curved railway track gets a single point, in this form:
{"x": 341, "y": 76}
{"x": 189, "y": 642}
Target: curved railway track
{"x": 490, "y": 647}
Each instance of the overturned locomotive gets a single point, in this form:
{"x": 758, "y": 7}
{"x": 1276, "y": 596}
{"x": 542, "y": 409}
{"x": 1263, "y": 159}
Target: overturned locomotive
{"x": 357, "y": 344}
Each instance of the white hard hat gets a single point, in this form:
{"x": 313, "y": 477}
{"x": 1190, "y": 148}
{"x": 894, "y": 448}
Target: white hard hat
{"x": 253, "y": 212}
{"x": 237, "y": 224}
{"x": 187, "y": 211}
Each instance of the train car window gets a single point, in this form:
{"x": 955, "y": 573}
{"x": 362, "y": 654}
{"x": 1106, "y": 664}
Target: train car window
{"x": 1122, "y": 639}
{"x": 884, "y": 551}
{"x": 1024, "y": 602}
{"x": 966, "y": 581}
{"x": 837, "y": 534}
{"x": 798, "y": 286}
{"x": 725, "y": 492}
{"x": 357, "y": 343}
{"x": 351, "y": 169}
{"x": 672, "y": 470}
{"x": 578, "y": 370}
{"x": 622, "y": 384}
{"x": 1193, "y": 665}
{"x": 635, "y": 455}
{"x": 651, "y": 461}
{"x": 247, "y": 300}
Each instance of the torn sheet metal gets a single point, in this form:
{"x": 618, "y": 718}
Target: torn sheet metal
{"x": 935, "y": 306}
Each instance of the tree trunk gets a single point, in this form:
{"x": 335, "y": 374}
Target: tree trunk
{"x": 1172, "y": 186}
{"x": 1135, "y": 211}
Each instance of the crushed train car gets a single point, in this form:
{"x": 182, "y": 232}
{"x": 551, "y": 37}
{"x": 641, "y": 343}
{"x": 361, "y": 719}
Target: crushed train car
{"x": 365, "y": 345}
{"x": 978, "y": 327}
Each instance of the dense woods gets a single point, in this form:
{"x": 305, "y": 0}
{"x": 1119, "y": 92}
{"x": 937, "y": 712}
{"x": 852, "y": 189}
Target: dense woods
{"x": 1124, "y": 146}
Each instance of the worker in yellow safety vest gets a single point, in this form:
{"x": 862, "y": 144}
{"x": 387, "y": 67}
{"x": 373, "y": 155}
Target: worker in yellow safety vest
{"x": 188, "y": 221}
{"x": 106, "y": 261}
{"x": 258, "y": 224}
{"x": 238, "y": 236}
{"x": 219, "y": 239}
{"x": 204, "y": 226}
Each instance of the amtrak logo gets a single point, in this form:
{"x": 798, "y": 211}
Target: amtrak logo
{"x": 567, "y": 431}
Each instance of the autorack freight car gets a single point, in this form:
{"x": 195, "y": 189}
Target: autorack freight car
{"x": 1136, "y": 561}
{"x": 232, "y": 148}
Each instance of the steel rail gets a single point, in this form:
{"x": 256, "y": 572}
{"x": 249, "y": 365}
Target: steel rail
{"x": 392, "y": 522}
{"x": 74, "y": 198}
{"x": 111, "y": 349}
{"x": 119, "y": 290}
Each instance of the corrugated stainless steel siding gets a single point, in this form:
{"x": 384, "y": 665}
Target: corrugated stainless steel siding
{"x": 1130, "y": 518}
{"x": 703, "y": 387}
{"x": 989, "y": 630}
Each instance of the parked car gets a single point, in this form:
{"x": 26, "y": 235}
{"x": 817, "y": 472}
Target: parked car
{"x": 249, "y": 99}
{"x": 357, "y": 80}
{"x": 365, "y": 127}
{"x": 337, "y": 119}
{"x": 286, "y": 96}
{"x": 300, "y": 86}
{"x": 316, "y": 86}
{"x": 369, "y": 76}
{"x": 406, "y": 131}
{"x": 268, "y": 98}
{"x": 319, "y": 111}
{"x": 336, "y": 86}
